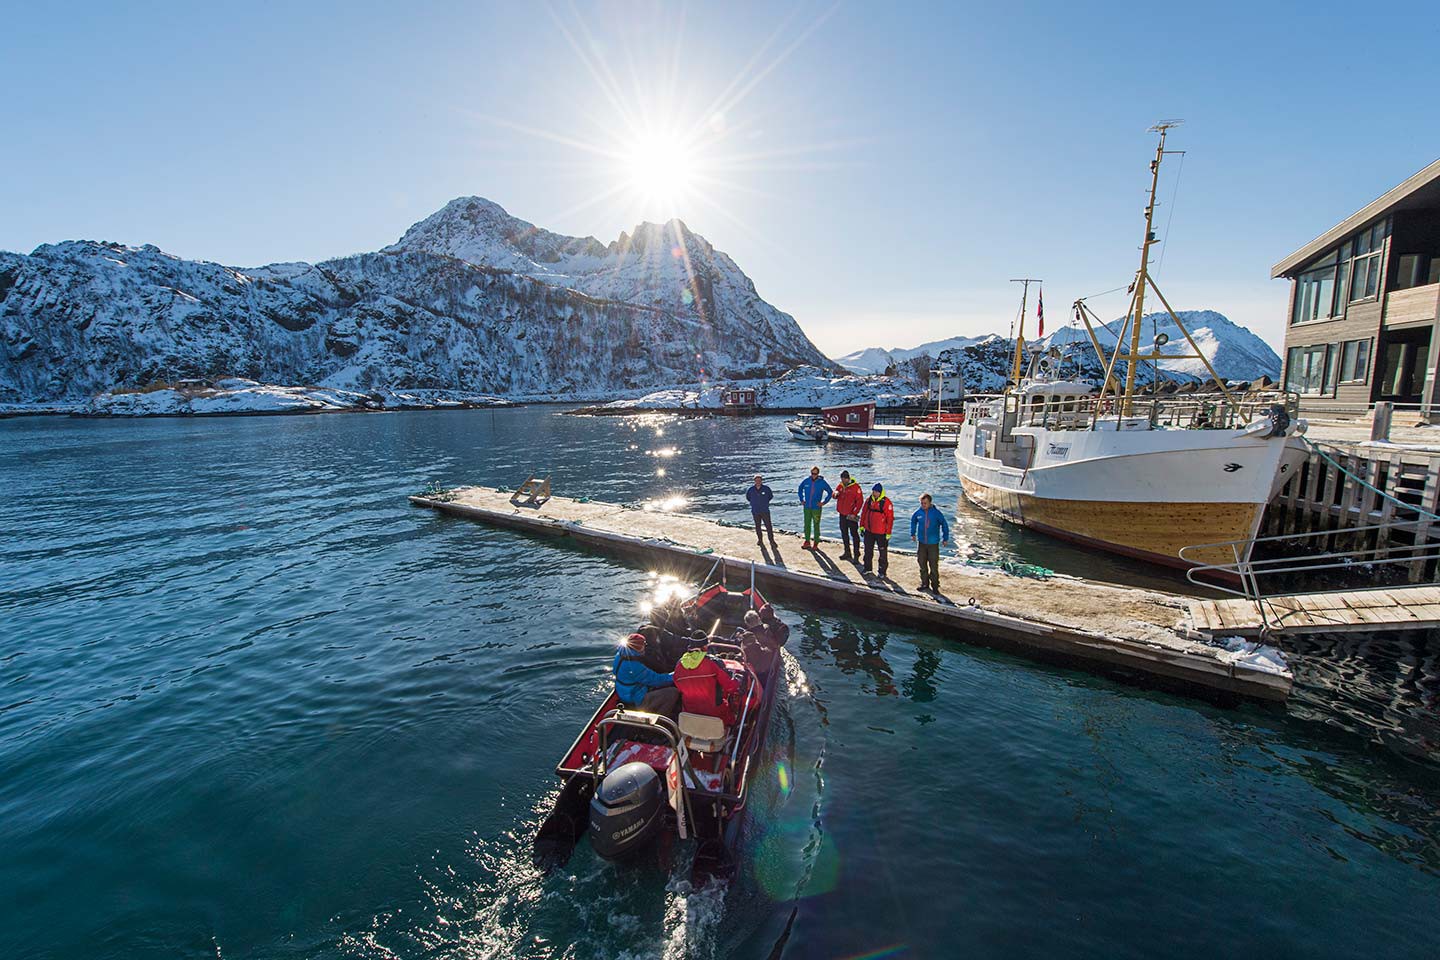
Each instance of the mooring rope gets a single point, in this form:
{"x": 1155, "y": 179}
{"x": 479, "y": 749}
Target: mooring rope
{"x": 1368, "y": 486}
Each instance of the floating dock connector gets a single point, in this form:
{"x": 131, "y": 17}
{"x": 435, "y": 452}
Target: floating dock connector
{"x": 1133, "y": 633}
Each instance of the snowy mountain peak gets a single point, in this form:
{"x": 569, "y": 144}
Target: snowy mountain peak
{"x": 481, "y": 231}
{"x": 470, "y": 298}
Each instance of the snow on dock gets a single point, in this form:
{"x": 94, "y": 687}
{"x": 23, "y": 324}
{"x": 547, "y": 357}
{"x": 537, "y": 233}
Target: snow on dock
{"x": 1133, "y": 632}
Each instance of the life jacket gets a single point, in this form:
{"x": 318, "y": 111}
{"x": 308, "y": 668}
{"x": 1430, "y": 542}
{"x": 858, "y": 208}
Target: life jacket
{"x": 706, "y": 686}
{"x": 878, "y": 516}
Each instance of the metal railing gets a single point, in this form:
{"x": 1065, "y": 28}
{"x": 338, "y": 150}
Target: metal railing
{"x": 1248, "y": 571}
{"x": 1193, "y": 411}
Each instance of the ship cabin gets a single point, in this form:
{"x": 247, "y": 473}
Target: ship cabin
{"x": 1362, "y": 323}
{"x": 1056, "y": 404}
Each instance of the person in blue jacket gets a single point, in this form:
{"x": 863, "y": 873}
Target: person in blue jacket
{"x": 929, "y": 530}
{"x": 760, "y": 496}
{"x": 640, "y": 687}
{"x": 814, "y": 494}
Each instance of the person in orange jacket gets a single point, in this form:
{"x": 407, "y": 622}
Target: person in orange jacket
{"x": 848, "y": 500}
{"x": 877, "y": 519}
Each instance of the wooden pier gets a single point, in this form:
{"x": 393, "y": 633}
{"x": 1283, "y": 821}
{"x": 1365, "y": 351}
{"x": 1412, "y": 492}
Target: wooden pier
{"x": 1131, "y": 633}
{"x": 1323, "y": 505}
{"x": 1401, "y": 608}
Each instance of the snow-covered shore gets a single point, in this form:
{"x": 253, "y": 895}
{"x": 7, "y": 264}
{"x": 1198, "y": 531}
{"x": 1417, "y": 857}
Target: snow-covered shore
{"x": 240, "y": 397}
{"x": 804, "y": 388}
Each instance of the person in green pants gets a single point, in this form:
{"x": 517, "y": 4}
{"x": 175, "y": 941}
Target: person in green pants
{"x": 814, "y": 494}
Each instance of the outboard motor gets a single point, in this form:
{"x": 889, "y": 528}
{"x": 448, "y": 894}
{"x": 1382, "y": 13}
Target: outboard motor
{"x": 627, "y": 810}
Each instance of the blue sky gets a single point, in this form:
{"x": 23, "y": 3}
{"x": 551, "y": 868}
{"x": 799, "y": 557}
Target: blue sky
{"x": 879, "y": 171}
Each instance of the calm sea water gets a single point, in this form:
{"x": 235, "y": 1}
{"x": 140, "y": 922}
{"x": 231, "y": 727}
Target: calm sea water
{"x": 254, "y": 705}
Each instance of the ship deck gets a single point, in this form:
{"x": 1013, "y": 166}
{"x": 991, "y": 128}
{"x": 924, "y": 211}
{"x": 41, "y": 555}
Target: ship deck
{"x": 1132, "y": 634}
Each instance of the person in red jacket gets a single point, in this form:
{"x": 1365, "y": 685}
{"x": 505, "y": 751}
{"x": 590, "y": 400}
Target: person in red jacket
{"x": 707, "y": 688}
{"x": 848, "y": 500}
{"x": 877, "y": 519}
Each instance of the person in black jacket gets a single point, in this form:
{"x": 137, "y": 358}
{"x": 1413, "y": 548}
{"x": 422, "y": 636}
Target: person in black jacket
{"x": 760, "y": 496}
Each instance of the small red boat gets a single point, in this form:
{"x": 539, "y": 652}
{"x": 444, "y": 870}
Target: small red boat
{"x": 635, "y": 780}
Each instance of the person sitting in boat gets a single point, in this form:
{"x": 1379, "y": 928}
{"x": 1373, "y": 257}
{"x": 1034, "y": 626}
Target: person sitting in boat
{"x": 640, "y": 687}
{"x": 761, "y": 649}
{"x": 707, "y": 688}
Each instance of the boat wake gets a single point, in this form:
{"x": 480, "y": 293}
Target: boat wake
{"x": 495, "y": 903}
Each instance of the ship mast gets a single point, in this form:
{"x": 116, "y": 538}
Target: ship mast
{"x": 1020, "y": 334}
{"x": 1144, "y": 274}
{"x": 1142, "y": 280}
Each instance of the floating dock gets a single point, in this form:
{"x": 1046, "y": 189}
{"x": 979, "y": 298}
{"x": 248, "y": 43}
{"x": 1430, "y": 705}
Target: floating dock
{"x": 893, "y": 436}
{"x": 1132, "y": 633}
{"x": 1399, "y": 608}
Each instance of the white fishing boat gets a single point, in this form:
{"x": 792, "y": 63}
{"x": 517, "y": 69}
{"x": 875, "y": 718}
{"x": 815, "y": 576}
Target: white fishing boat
{"x": 809, "y": 427}
{"x": 1117, "y": 469}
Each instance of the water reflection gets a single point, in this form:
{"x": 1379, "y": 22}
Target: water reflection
{"x": 1383, "y": 687}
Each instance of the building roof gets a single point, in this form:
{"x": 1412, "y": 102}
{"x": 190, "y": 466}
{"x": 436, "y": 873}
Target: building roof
{"x": 1421, "y": 190}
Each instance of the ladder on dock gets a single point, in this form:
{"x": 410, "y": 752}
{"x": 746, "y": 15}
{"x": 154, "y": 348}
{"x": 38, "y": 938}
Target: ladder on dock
{"x": 1394, "y": 608}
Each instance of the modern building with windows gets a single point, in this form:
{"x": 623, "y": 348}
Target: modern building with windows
{"x": 1363, "y": 305}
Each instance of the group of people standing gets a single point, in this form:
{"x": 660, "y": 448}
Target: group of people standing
{"x": 666, "y": 667}
{"x": 868, "y": 518}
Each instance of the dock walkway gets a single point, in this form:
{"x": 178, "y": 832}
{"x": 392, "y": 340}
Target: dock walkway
{"x": 1133, "y": 631}
{"x": 1398, "y": 608}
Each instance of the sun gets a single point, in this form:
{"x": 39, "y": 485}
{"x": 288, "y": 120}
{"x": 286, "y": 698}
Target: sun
{"x": 661, "y": 169}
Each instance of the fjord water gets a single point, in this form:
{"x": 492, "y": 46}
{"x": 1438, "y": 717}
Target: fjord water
{"x": 254, "y": 705}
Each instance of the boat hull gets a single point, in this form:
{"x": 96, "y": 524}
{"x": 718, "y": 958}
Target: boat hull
{"x": 1143, "y": 494}
{"x": 1154, "y": 531}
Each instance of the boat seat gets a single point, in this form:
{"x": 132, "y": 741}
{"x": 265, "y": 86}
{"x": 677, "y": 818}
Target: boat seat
{"x": 702, "y": 733}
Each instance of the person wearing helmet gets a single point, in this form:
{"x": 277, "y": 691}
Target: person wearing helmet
{"x": 877, "y": 519}
{"x": 640, "y": 687}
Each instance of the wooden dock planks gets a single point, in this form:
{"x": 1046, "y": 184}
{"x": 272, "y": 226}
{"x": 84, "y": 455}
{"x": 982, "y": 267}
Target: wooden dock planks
{"x": 1062, "y": 617}
{"x": 1392, "y": 608}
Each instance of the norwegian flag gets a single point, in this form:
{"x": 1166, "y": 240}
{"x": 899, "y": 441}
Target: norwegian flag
{"x": 1040, "y": 311}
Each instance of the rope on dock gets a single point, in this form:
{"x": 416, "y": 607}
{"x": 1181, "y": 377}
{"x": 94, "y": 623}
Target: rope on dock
{"x": 1361, "y": 480}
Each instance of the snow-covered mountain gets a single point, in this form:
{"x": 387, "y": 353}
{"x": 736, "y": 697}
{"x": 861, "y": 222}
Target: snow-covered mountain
{"x": 873, "y": 360}
{"x": 1235, "y": 352}
{"x": 469, "y": 299}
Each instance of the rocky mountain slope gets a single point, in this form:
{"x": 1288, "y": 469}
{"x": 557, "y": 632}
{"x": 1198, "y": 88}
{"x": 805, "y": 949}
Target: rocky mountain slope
{"x": 469, "y": 299}
{"x": 875, "y": 360}
{"x": 1235, "y": 352}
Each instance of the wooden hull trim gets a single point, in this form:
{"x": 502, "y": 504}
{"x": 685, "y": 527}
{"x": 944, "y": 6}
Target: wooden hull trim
{"x": 1153, "y": 532}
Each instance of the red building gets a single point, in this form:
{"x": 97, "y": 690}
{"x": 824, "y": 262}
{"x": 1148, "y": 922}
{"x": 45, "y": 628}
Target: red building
{"x": 850, "y": 416}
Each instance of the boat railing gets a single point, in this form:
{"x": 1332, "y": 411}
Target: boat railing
{"x": 1249, "y": 572}
{"x": 1193, "y": 411}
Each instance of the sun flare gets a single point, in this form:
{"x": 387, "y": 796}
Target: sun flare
{"x": 661, "y": 169}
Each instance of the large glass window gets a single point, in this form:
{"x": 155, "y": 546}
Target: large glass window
{"x": 1365, "y": 277}
{"x": 1346, "y": 274}
{"x": 1354, "y": 361}
{"x": 1306, "y": 369}
{"x": 1365, "y": 268}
